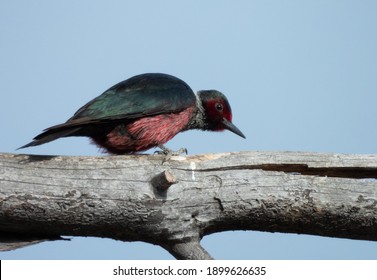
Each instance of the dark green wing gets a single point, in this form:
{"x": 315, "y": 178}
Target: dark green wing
{"x": 142, "y": 95}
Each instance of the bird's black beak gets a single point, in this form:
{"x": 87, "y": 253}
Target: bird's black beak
{"x": 231, "y": 127}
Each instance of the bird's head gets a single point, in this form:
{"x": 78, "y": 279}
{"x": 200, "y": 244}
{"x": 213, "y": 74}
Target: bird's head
{"x": 217, "y": 111}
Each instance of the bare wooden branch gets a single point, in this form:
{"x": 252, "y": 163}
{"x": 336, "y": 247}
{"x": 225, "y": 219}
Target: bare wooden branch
{"x": 163, "y": 180}
{"x": 188, "y": 250}
{"x": 136, "y": 198}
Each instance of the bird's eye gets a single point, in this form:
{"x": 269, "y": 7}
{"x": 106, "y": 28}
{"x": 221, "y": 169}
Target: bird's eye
{"x": 219, "y": 107}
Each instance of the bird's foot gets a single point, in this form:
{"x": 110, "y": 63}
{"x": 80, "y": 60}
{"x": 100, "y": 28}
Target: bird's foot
{"x": 169, "y": 153}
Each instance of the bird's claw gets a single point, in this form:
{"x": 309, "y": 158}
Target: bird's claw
{"x": 169, "y": 153}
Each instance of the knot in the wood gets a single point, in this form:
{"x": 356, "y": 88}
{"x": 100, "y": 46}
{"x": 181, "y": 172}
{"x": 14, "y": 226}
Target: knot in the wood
{"x": 163, "y": 180}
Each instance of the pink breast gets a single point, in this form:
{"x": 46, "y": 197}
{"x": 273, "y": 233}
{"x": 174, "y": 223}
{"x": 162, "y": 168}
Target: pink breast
{"x": 147, "y": 132}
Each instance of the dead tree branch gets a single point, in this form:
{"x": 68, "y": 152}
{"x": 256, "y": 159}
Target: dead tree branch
{"x": 136, "y": 198}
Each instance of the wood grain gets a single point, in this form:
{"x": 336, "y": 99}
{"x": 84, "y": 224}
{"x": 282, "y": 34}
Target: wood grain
{"x": 45, "y": 197}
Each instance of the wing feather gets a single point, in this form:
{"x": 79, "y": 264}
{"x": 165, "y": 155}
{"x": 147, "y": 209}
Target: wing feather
{"x": 142, "y": 95}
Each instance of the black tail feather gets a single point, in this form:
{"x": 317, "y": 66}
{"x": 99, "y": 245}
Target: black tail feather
{"x": 51, "y": 135}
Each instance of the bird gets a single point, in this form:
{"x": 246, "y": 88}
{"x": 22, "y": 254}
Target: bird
{"x": 144, "y": 112}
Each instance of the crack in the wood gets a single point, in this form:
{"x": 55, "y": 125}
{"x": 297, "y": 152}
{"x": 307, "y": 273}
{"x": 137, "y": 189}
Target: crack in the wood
{"x": 220, "y": 203}
{"x": 33, "y": 183}
{"x": 304, "y": 169}
{"x": 219, "y": 182}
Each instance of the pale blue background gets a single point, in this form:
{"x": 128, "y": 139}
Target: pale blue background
{"x": 300, "y": 76}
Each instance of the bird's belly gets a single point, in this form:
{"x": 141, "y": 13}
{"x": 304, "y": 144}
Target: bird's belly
{"x": 146, "y": 132}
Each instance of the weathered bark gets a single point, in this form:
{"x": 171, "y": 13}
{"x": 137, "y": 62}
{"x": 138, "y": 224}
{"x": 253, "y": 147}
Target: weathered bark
{"x": 175, "y": 204}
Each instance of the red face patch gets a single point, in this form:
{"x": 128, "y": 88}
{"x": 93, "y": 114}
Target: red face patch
{"x": 217, "y": 110}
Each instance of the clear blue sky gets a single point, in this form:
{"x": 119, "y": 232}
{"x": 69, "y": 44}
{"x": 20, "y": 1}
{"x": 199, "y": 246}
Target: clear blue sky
{"x": 300, "y": 76}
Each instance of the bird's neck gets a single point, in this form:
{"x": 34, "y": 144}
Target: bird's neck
{"x": 198, "y": 120}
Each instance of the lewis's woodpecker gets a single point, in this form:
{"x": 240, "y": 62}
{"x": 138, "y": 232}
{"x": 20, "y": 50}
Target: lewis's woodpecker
{"x": 143, "y": 112}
